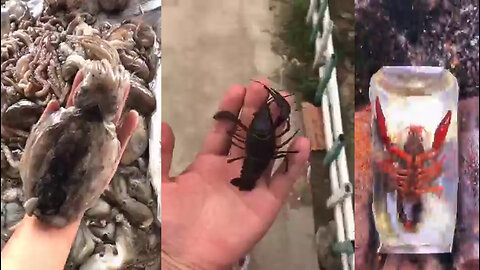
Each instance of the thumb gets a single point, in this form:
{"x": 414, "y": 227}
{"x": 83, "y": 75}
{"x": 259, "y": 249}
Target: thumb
{"x": 76, "y": 83}
{"x": 167, "y": 145}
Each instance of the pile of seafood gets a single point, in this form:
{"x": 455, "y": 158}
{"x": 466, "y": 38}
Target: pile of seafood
{"x": 417, "y": 32}
{"x": 39, "y": 60}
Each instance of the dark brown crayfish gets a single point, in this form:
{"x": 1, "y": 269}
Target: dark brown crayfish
{"x": 260, "y": 143}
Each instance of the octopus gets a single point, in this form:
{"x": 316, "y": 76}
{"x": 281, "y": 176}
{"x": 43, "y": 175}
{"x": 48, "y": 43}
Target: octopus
{"x": 60, "y": 174}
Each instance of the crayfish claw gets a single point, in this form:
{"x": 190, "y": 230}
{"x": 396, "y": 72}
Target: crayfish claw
{"x": 441, "y": 131}
{"x": 381, "y": 124}
{"x": 225, "y": 115}
{"x": 229, "y": 116}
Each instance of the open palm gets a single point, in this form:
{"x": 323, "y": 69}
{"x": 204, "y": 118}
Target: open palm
{"x": 206, "y": 221}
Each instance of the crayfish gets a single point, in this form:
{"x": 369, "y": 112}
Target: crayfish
{"x": 412, "y": 168}
{"x": 260, "y": 141}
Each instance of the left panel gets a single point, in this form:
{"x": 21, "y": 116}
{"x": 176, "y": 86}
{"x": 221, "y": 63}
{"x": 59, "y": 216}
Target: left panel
{"x": 80, "y": 134}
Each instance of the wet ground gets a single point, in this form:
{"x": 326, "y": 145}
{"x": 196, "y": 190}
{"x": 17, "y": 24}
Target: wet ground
{"x": 208, "y": 46}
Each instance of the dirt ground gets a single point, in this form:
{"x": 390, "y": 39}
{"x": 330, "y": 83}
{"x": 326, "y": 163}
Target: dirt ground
{"x": 206, "y": 47}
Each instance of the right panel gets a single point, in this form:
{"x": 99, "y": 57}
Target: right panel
{"x": 416, "y": 134}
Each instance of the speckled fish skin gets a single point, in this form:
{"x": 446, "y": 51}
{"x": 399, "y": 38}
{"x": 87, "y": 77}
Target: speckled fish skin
{"x": 70, "y": 154}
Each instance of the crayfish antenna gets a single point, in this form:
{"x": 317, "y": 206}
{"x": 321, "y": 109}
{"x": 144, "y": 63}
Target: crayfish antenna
{"x": 441, "y": 131}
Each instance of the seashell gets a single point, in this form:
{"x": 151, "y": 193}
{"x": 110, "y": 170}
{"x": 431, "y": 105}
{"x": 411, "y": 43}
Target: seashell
{"x": 108, "y": 259}
{"x": 140, "y": 97}
{"x": 83, "y": 245}
{"x": 100, "y": 210}
{"x": 12, "y": 194}
{"x": 105, "y": 233}
{"x": 141, "y": 190}
{"x": 14, "y": 212}
{"x": 22, "y": 115}
{"x": 137, "y": 212}
{"x": 113, "y": 5}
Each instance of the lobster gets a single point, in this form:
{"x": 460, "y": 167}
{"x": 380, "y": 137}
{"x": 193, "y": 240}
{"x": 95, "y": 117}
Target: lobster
{"x": 260, "y": 143}
{"x": 408, "y": 166}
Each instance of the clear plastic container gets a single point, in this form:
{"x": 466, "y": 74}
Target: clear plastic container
{"x": 415, "y": 158}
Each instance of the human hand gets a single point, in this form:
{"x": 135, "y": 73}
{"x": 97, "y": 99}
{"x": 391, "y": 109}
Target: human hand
{"x": 207, "y": 223}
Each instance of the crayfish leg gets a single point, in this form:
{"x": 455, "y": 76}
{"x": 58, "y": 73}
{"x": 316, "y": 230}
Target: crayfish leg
{"x": 287, "y": 140}
{"x": 237, "y": 145}
{"x": 287, "y": 129}
{"x": 234, "y": 159}
{"x": 226, "y": 115}
{"x": 283, "y": 154}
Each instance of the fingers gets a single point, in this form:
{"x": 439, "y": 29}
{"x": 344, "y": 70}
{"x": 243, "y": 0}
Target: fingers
{"x": 218, "y": 139}
{"x": 126, "y": 128}
{"x": 256, "y": 96}
{"x": 168, "y": 143}
{"x": 52, "y": 106}
{"x": 122, "y": 104}
{"x": 76, "y": 82}
{"x": 282, "y": 181}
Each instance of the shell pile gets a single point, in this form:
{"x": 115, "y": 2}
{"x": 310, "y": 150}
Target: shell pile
{"x": 39, "y": 60}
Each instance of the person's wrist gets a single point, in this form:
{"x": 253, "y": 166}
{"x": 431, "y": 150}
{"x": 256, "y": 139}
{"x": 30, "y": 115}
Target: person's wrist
{"x": 170, "y": 262}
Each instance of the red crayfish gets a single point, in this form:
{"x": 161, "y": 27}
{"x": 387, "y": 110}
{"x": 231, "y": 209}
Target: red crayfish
{"x": 260, "y": 142}
{"x": 413, "y": 168}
